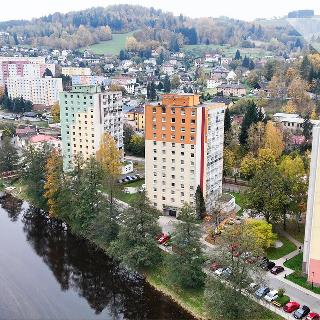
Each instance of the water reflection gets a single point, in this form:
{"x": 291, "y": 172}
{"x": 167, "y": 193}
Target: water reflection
{"x": 77, "y": 266}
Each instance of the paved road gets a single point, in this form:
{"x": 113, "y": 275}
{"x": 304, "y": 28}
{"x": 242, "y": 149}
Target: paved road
{"x": 295, "y": 292}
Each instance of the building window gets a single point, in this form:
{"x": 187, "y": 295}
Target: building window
{"x": 173, "y": 120}
{"x": 182, "y": 138}
{"x": 154, "y": 110}
{"x": 163, "y": 109}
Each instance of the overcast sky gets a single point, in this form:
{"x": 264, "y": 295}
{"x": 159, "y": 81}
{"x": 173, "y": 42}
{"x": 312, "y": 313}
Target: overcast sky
{"x": 240, "y": 9}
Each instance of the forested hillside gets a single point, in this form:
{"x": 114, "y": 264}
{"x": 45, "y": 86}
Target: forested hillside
{"x": 76, "y": 29}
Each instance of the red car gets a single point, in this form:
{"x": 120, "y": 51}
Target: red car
{"x": 163, "y": 239}
{"x": 291, "y": 306}
{"x": 313, "y": 316}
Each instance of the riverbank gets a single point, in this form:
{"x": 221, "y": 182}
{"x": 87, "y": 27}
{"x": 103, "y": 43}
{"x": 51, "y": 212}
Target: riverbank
{"x": 190, "y": 300}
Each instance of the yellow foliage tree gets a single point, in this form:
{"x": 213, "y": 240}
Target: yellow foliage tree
{"x": 261, "y": 232}
{"x": 292, "y": 167}
{"x": 54, "y": 180}
{"x": 265, "y": 157}
{"x": 274, "y": 139}
{"x": 289, "y": 107}
{"x": 228, "y": 161}
{"x": 55, "y": 112}
{"x": 132, "y": 44}
{"x": 314, "y": 115}
{"x": 248, "y": 166}
{"x": 109, "y": 156}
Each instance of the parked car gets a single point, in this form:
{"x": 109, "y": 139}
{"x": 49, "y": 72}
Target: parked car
{"x": 163, "y": 239}
{"x": 252, "y": 287}
{"x": 264, "y": 261}
{"x": 219, "y": 271}
{"x": 226, "y": 272}
{"x": 301, "y": 312}
{"x": 277, "y": 270}
{"x": 268, "y": 266}
{"x": 291, "y": 306}
{"x": 272, "y": 295}
{"x": 261, "y": 292}
{"x": 313, "y": 316}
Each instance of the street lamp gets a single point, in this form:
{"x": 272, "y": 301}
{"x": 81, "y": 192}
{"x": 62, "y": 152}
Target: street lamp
{"x": 312, "y": 279}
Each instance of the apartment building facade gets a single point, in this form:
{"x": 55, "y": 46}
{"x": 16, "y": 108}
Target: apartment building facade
{"x": 75, "y": 71}
{"x": 311, "y": 252}
{"x": 40, "y": 91}
{"x": 86, "y": 114}
{"x": 12, "y": 69}
{"x": 184, "y": 149}
{"x": 35, "y": 60}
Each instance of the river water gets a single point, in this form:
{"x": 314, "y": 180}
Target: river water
{"x": 46, "y": 273}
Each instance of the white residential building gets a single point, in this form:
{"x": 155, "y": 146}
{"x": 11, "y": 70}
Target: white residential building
{"x": 41, "y": 91}
{"x": 86, "y": 114}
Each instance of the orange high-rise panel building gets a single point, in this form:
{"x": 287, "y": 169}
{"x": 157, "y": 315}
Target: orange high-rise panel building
{"x": 184, "y": 150}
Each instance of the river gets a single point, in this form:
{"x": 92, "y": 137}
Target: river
{"x": 47, "y": 273}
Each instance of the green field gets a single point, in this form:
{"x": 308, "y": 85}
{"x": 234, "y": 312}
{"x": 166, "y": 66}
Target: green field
{"x": 113, "y": 46}
{"x": 229, "y": 51}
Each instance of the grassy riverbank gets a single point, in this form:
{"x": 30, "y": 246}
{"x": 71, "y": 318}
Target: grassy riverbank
{"x": 190, "y": 300}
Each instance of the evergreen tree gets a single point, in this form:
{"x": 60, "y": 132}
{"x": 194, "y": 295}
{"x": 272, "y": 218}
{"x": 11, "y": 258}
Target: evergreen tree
{"x": 160, "y": 86}
{"x": 307, "y": 129}
{"x": 86, "y": 200}
{"x": 34, "y": 173}
{"x": 185, "y": 265}
{"x": 153, "y": 92}
{"x": 227, "y": 121}
{"x": 250, "y": 117}
{"x": 47, "y": 73}
{"x": 9, "y": 158}
{"x": 251, "y": 65}
{"x": 200, "y": 203}
{"x": 166, "y": 84}
{"x": 160, "y": 58}
{"x": 135, "y": 245}
{"x": 237, "y": 55}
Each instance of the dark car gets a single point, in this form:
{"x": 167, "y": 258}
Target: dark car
{"x": 261, "y": 292}
{"x": 277, "y": 270}
{"x": 268, "y": 266}
{"x": 301, "y": 312}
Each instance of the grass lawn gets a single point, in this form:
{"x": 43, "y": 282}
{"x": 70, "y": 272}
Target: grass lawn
{"x": 134, "y": 184}
{"x": 277, "y": 253}
{"x": 240, "y": 199}
{"x": 295, "y": 232}
{"x": 229, "y": 51}
{"x": 111, "y": 46}
{"x": 192, "y": 299}
{"x": 298, "y": 277}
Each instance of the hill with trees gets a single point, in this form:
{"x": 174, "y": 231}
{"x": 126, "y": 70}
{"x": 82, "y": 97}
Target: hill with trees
{"x": 155, "y": 27}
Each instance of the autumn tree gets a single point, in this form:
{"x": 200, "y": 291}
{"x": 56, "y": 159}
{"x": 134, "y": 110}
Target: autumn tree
{"x": 274, "y": 139}
{"x": 54, "y": 183}
{"x": 132, "y": 44}
{"x": 266, "y": 194}
{"x": 55, "y": 112}
{"x": 256, "y": 137}
{"x": 229, "y": 159}
{"x": 300, "y": 98}
{"x": 109, "y": 157}
{"x": 237, "y": 250}
{"x": 175, "y": 82}
{"x": 261, "y": 232}
{"x": 186, "y": 264}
